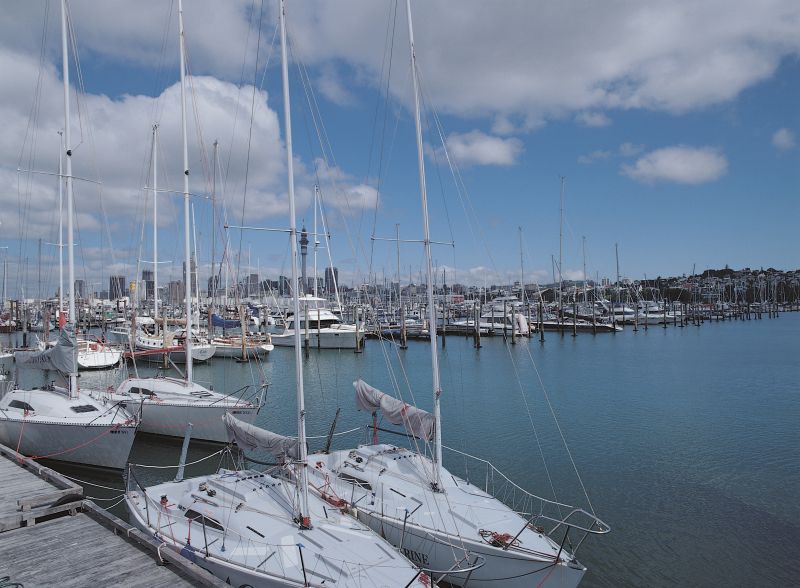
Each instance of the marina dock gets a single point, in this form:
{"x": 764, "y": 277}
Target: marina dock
{"x": 50, "y": 535}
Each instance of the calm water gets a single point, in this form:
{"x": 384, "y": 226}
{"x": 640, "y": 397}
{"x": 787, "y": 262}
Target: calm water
{"x": 686, "y": 438}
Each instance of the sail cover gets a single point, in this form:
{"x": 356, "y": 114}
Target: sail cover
{"x": 416, "y": 421}
{"x": 62, "y": 357}
{"x": 218, "y": 321}
{"x": 250, "y": 437}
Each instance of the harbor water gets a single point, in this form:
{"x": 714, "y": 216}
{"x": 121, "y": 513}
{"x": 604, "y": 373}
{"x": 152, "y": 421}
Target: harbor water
{"x": 686, "y": 438}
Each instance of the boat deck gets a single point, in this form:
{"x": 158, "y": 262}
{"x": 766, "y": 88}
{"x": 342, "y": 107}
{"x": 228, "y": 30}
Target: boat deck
{"x": 50, "y": 536}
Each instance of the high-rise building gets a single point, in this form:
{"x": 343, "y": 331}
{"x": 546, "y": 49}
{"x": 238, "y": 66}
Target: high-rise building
{"x": 303, "y": 256}
{"x": 80, "y": 289}
{"x": 331, "y": 278}
{"x": 252, "y": 285}
{"x": 192, "y": 270}
{"x": 149, "y": 284}
{"x": 213, "y": 286}
{"x": 176, "y": 292}
{"x": 284, "y": 287}
{"x": 117, "y": 287}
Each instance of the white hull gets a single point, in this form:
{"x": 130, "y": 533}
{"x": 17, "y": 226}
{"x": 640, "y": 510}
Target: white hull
{"x": 335, "y": 339}
{"x": 96, "y": 445}
{"x": 434, "y": 551}
{"x": 171, "y": 420}
{"x": 252, "y": 351}
{"x": 200, "y": 353}
{"x": 98, "y": 360}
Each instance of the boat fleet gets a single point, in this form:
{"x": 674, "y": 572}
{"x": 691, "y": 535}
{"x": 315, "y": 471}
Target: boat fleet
{"x": 375, "y": 514}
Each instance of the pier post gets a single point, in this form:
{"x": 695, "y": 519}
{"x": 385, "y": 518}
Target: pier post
{"x": 505, "y": 319}
{"x": 513, "y": 326}
{"x": 541, "y": 321}
{"x": 182, "y": 463}
{"x": 477, "y": 317}
{"x": 575, "y": 318}
{"x": 403, "y": 334}
{"x": 444, "y": 323}
{"x": 635, "y": 318}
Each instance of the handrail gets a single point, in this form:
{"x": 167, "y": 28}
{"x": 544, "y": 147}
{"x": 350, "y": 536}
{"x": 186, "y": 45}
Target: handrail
{"x": 597, "y": 526}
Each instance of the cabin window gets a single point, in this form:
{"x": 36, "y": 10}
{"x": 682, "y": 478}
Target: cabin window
{"x": 142, "y": 391}
{"x": 83, "y": 408}
{"x": 356, "y": 481}
{"x": 210, "y": 523}
{"x": 21, "y": 405}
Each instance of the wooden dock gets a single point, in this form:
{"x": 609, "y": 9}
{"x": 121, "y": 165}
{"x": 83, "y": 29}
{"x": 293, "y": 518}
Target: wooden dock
{"x": 50, "y": 535}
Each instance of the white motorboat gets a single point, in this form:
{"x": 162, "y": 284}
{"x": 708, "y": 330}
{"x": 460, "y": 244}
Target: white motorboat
{"x": 319, "y": 329}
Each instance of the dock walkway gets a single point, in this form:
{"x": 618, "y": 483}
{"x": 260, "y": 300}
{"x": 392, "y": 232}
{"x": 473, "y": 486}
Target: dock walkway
{"x": 51, "y": 536}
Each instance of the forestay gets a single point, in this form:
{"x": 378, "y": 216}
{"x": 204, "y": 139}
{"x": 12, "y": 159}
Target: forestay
{"x": 250, "y": 437}
{"x": 415, "y": 420}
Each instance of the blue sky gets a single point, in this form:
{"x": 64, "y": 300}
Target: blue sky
{"x": 676, "y": 127}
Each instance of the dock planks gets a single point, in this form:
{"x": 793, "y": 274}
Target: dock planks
{"x": 50, "y": 536}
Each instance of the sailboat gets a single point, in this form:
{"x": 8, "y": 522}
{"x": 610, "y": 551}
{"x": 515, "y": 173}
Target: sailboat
{"x": 441, "y": 521}
{"x": 257, "y": 529}
{"x": 169, "y": 405}
{"x": 59, "y": 422}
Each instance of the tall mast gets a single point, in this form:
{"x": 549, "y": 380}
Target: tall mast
{"x": 155, "y": 223}
{"x": 616, "y": 255}
{"x": 73, "y": 377}
{"x": 521, "y": 270}
{"x": 316, "y": 240}
{"x": 561, "y": 241}
{"x": 585, "y": 293}
{"x": 437, "y": 389}
{"x": 303, "y": 517}
{"x": 60, "y": 226}
{"x": 187, "y": 272}
{"x": 213, "y": 281}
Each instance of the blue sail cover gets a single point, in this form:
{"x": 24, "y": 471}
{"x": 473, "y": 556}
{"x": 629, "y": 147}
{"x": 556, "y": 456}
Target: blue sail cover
{"x": 218, "y": 321}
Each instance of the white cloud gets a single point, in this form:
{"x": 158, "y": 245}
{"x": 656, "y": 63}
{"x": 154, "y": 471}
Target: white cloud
{"x": 593, "y": 119}
{"x": 630, "y": 149}
{"x": 478, "y": 148}
{"x": 508, "y": 61}
{"x": 596, "y": 155}
{"x": 783, "y": 139}
{"x": 680, "y": 164}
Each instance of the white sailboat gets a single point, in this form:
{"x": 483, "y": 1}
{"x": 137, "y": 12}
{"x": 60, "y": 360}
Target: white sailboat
{"x": 58, "y": 422}
{"x": 256, "y": 529}
{"x": 439, "y": 520}
{"x": 168, "y": 405}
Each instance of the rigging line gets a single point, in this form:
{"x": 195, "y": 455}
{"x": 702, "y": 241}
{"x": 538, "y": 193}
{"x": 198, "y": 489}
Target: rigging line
{"x": 160, "y": 69}
{"x": 386, "y": 103}
{"x": 529, "y": 412}
{"x": 250, "y": 138}
{"x": 420, "y": 82}
{"x": 224, "y": 178}
{"x": 324, "y": 142}
{"x": 560, "y": 432}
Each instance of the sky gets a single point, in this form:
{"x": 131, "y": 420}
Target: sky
{"x": 666, "y": 131}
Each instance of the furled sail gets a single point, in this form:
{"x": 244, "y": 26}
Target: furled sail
{"x": 415, "y": 420}
{"x": 62, "y": 357}
{"x": 218, "y": 321}
{"x": 250, "y": 437}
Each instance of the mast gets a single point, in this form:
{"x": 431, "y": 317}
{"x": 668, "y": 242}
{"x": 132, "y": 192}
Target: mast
{"x": 316, "y": 240}
{"x": 521, "y": 271}
{"x": 585, "y": 293}
{"x": 155, "y": 223}
{"x": 213, "y": 292}
{"x": 437, "y": 389}
{"x": 187, "y": 272}
{"x": 73, "y": 377}
{"x": 561, "y": 242}
{"x": 303, "y": 515}
{"x": 60, "y": 228}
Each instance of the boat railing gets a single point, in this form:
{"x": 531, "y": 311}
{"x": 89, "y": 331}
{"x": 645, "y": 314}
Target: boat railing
{"x": 538, "y": 510}
{"x": 230, "y": 546}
